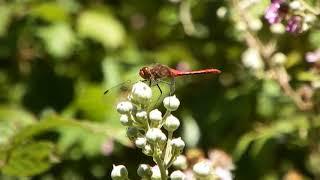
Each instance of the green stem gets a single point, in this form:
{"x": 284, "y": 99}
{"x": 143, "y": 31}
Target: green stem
{"x": 310, "y": 8}
{"x": 166, "y": 156}
{"x": 161, "y": 167}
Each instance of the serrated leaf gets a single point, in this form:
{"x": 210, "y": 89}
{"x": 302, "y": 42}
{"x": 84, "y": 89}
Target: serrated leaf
{"x": 29, "y": 159}
{"x": 101, "y": 27}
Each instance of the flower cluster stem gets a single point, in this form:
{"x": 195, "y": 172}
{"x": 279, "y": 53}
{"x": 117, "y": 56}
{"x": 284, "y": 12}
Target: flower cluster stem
{"x": 162, "y": 168}
{"x": 168, "y": 149}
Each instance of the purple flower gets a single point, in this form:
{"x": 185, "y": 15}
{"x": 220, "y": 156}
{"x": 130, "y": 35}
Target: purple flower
{"x": 294, "y": 24}
{"x": 276, "y": 11}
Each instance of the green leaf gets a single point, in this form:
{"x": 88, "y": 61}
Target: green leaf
{"x": 308, "y": 76}
{"x": 101, "y": 27}
{"x": 314, "y": 38}
{"x": 94, "y": 106}
{"x": 58, "y": 38}
{"x": 243, "y": 144}
{"x": 12, "y": 120}
{"x": 5, "y": 18}
{"x": 191, "y": 131}
{"x": 29, "y": 159}
{"x": 295, "y": 124}
{"x": 50, "y": 11}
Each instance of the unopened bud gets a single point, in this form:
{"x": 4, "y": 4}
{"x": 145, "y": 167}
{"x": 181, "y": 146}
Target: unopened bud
{"x": 171, "y": 123}
{"x": 279, "y": 58}
{"x": 295, "y": 5}
{"x": 156, "y": 175}
{"x": 203, "y": 169}
{"x": 153, "y": 135}
{"x": 140, "y": 142}
{"x": 180, "y": 162}
{"x": 119, "y": 172}
{"x": 144, "y": 170}
{"x": 124, "y": 107}
{"x": 132, "y": 132}
{"x": 178, "y": 143}
{"x": 141, "y": 115}
{"x": 141, "y": 93}
{"x": 155, "y": 117}
{"x": 147, "y": 150}
{"x": 277, "y": 28}
{"x": 177, "y": 175}
{"x": 171, "y": 103}
{"x": 124, "y": 119}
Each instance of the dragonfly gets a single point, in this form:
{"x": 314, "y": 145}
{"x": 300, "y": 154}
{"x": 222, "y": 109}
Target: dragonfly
{"x": 155, "y": 74}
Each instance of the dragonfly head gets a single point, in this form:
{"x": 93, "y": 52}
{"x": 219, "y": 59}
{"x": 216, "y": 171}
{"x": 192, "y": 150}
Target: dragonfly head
{"x": 145, "y": 73}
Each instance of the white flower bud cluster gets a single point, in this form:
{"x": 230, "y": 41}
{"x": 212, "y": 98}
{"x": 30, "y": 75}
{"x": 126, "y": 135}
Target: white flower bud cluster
{"x": 152, "y": 131}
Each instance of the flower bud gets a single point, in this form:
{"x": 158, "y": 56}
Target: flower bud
{"x": 203, "y": 169}
{"x": 119, "y": 172}
{"x": 295, "y": 5}
{"x": 141, "y": 93}
{"x": 178, "y": 143}
{"x": 141, "y": 115}
{"x": 140, "y": 142}
{"x": 124, "y": 119}
{"x": 171, "y": 123}
{"x": 124, "y": 107}
{"x": 180, "y": 162}
{"x": 155, "y": 117}
{"x": 171, "y": 103}
{"x": 177, "y": 175}
{"x": 251, "y": 58}
{"x": 221, "y": 12}
{"x": 277, "y": 28}
{"x": 153, "y": 135}
{"x": 132, "y": 132}
{"x": 222, "y": 173}
{"x": 144, "y": 170}
{"x": 156, "y": 174}
{"x": 255, "y": 24}
{"x": 279, "y": 58}
{"x": 163, "y": 138}
{"x": 147, "y": 150}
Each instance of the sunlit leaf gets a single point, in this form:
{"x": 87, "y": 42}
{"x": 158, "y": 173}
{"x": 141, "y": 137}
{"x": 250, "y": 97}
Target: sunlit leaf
{"x": 101, "y": 27}
{"x": 12, "y": 120}
{"x": 50, "y": 11}
{"x": 29, "y": 159}
{"x": 5, "y": 18}
{"x": 190, "y": 132}
{"x": 58, "y": 38}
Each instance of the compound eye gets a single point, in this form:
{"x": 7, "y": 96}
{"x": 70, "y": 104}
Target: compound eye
{"x": 143, "y": 72}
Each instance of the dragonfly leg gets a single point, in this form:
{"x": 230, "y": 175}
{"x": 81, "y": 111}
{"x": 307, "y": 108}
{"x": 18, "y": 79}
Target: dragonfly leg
{"x": 159, "y": 89}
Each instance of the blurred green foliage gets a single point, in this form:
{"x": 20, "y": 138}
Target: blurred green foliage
{"x": 58, "y": 57}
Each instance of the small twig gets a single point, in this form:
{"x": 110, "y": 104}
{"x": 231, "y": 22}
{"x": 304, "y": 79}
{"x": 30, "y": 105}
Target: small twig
{"x": 310, "y": 8}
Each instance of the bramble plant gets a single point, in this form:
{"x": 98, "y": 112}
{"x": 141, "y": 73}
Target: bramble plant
{"x": 146, "y": 129}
